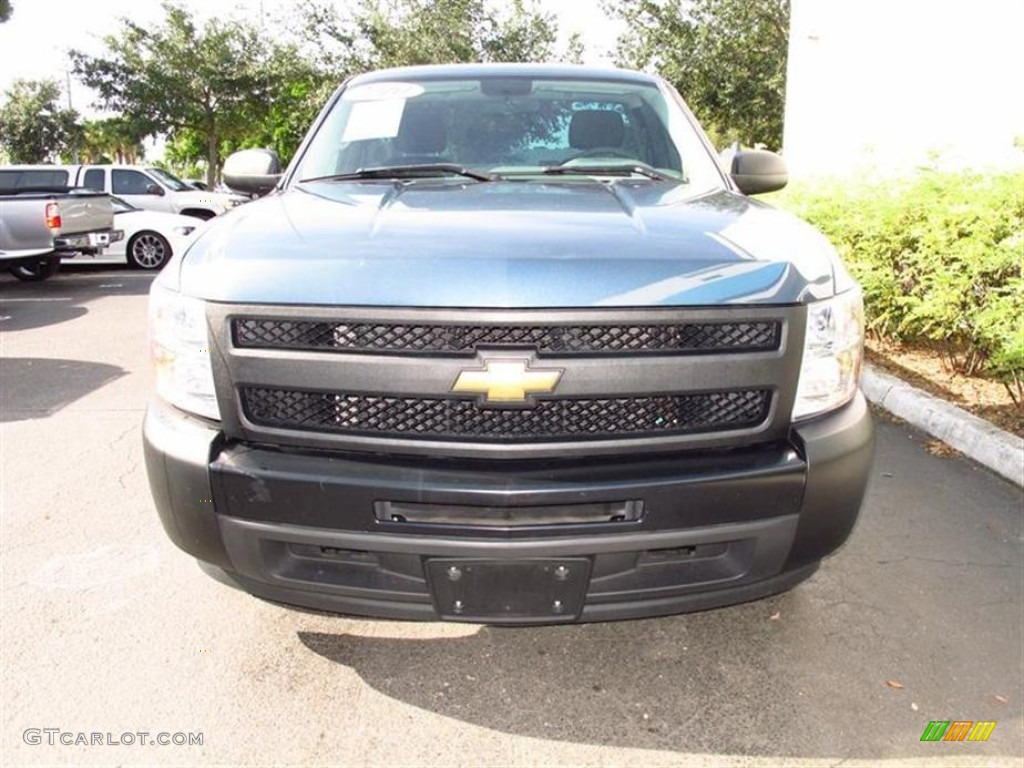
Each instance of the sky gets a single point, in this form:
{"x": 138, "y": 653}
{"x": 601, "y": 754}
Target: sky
{"x": 33, "y": 44}
{"x": 930, "y": 77}
{"x": 944, "y": 86}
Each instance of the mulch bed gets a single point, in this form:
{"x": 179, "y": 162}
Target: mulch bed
{"x": 923, "y": 369}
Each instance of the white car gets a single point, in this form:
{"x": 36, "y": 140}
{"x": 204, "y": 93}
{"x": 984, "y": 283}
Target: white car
{"x": 150, "y": 238}
{"x": 147, "y": 187}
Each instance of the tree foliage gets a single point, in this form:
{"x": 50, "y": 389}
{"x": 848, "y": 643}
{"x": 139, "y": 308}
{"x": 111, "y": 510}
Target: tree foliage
{"x": 224, "y": 85}
{"x": 575, "y": 49}
{"x": 34, "y": 126}
{"x": 112, "y": 140}
{"x": 299, "y": 91}
{"x": 398, "y": 33}
{"x": 212, "y": 80}
{"x": 726, "y": 57}
{"x": 5, "y": 10}
{"x": 301, "y": 88}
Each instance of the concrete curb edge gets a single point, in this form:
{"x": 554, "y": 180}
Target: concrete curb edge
{"x": 976, "y": 438}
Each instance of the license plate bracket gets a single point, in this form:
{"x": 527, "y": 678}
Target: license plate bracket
{"x": 509, "y": 591}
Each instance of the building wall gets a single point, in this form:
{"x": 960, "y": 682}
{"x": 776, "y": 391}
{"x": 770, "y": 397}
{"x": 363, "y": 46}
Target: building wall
{"x": 887, "y": 85}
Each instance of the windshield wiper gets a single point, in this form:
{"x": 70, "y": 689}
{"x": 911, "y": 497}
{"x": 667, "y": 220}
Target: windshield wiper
{"x": 620, "y": 169}
{"x": 405, "y": 172}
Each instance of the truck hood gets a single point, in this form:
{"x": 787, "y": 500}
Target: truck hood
{"x": 200, "y": 197}
{"x": 447, "y": 243}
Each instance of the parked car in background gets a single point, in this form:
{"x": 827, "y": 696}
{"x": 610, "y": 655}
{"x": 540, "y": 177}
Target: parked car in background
{"x": 198, "y": 184}
{"x": 146, "y": 187}
{"x": 41, "y": 221}
{"x": 150, "y": 238}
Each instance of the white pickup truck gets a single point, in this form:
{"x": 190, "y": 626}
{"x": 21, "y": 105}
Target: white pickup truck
{"x": 42, "y": 221}
{"x": 146, "y": 187}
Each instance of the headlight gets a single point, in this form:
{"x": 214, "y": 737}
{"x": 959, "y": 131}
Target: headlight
{"x": 180, "y": 349}
{"x": 183, "y": 231}
{"x": 833, "y": 353}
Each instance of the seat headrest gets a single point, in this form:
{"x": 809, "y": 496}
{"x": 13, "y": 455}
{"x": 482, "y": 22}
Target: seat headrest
{"x": 422, "y": 132}
{"x": 594, "y": 128}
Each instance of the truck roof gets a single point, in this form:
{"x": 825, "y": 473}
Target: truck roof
{"x": 469, "y": 71}
{"x": 72, "y": 166}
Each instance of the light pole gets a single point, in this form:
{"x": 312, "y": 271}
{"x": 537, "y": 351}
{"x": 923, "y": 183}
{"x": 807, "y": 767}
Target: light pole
{"x": 74, "y": 148}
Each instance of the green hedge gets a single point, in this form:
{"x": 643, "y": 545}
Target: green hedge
{"x": 940, "y": 257}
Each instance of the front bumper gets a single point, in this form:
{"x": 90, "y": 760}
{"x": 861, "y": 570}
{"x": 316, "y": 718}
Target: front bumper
{"x": 306, "y": 528}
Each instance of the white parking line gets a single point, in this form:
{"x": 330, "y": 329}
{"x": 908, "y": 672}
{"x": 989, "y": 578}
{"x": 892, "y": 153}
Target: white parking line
{"x": 47, "y": 298}
{"x": 83, "y": 276}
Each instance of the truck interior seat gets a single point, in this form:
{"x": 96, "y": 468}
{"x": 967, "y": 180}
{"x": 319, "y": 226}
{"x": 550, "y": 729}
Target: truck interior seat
{"x": 596, "y": 128}
{"x": 422, "y": 137}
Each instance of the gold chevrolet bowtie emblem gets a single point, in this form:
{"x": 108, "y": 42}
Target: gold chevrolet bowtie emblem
{"x": 507, "y": 381}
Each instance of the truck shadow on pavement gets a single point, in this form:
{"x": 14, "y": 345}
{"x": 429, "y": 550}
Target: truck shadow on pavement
{"x": 798, "y": 675}
{"x": 24, "y": 306}
{"x": 722, "y": 682}
{"x": 16, "y": 317}
{"x": 702, "y": 683}
{"x": 34, "y": 388}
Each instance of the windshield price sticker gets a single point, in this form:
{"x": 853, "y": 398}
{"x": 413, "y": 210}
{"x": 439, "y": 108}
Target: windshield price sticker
{"x": 374, "y": 120}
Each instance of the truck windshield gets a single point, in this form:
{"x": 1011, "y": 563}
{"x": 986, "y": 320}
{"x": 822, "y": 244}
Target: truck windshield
{"x": 510, "y": 127}
{"x": 121, "y": 206}
{"x": 14, "y": 179}
{"x": 171, "y": 181}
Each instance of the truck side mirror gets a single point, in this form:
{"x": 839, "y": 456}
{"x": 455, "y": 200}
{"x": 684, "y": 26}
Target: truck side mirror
{"x": 252, "y": 171}
{"x": 756, "y": 171}
{"x": 155, "y": 189}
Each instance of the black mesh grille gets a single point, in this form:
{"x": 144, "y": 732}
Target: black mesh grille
{"x": 662, "y": 338}
{"x": 566, "y": 419}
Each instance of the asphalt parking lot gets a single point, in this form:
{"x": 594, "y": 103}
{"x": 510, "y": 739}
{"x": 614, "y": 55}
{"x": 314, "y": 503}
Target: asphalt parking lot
{"x": 107, "y": 628}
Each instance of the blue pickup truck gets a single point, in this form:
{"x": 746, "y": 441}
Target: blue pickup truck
{"x": 507, "y": 343}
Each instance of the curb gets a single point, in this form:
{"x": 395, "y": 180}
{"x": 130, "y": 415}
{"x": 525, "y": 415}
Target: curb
{"x": 976, "y": 438}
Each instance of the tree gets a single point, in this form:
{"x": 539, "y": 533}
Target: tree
{"x": 409, "y": 32}
{"x": 112, "y": 140}
{"x": 5, "y": 10}
{"x": 34, "y": 127}
{"x": 300, "y": 90}
{"x": 727, "y": 58}
{"x": 179, "y": 77}
{"x": 575, "y": 49}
